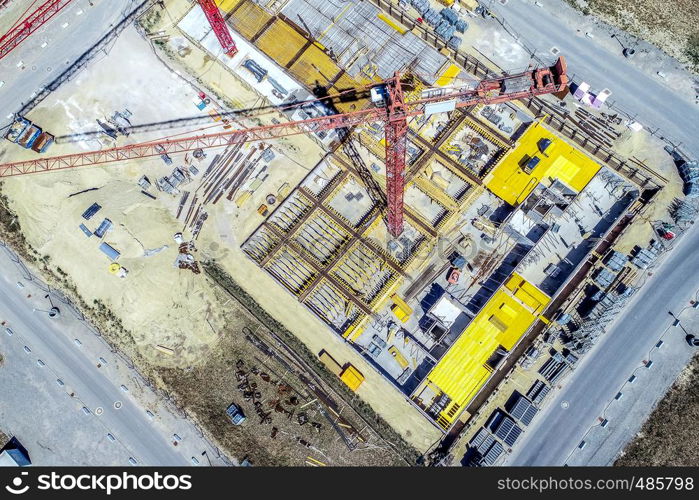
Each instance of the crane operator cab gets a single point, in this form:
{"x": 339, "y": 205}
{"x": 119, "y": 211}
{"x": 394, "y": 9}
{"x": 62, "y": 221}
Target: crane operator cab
{"x": 379, "y": 96}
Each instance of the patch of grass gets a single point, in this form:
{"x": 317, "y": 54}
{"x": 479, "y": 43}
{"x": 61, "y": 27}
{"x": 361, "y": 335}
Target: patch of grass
{"x": 669, "y": 437}
{"x": 669, "y": 25}
{"x": 205, "y": 390}
{"x": 150, "y": 19}
{"x": 11, "y": 230}
{"x": 692, "y": 49}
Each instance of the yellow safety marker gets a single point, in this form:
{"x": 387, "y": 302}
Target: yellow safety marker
{"x": 400, "y": 29}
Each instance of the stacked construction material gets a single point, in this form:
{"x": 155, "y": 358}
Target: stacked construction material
{"x": 689, "y": 171}
{"x": 421, "y": 6}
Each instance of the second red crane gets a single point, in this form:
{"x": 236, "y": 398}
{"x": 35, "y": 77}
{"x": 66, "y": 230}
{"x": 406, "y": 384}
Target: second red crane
{"x": 218, "y": 24}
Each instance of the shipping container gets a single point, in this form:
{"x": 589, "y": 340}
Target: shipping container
{"x": 17, "y": 128}
{"x": 43, "y": 142}
{"x": 110, "y": 251}
{"x": 29, "y": 136}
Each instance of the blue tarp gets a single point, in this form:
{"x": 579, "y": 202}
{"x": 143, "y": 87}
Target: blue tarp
{"x": 110, "y": 251}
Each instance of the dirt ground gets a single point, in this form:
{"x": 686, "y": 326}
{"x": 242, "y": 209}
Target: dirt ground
{"x": 142, "y": 229}
{"x": 649, "y": 150}
{"x": 273, "y": 433}
{"x": 669, "y": 436}
{"x": 668, "y": 25}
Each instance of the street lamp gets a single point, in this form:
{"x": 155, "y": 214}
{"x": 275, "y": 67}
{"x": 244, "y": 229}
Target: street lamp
{"x": 54, "y": 312}
{"x": 628, "y": 52}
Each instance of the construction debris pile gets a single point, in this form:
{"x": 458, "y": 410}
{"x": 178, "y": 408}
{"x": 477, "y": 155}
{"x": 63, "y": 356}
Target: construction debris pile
{"x": 271, "y": 395}
{"x": 185, "y": 259}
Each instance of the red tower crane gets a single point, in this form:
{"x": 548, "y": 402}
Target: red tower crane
{"x": 390, "y": 107}
{"x": 22, "y": 29}
{"x": 218, "y": 24}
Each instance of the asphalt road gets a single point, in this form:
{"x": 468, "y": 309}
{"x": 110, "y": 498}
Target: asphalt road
{"x": 656, "y": 105}
{"x": 555, "y": 434}
{"x": 51, "y": 341}
{"x": 55, "y": 47}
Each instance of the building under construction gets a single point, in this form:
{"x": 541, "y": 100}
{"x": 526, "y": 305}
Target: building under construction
{"x": 499, "y": 211}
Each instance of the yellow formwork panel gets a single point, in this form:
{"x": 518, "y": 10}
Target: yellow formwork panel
{"x": 249, "y": 19}
{"x": 314, "y": 66}
{"x": 463, "y": 370}
{"x": 228, "y": 5}
{"x": 345, "y": 82}
{"x": 448, "y": 76}
{"x": 356, "y": 329}
{"x": 527, "y": 293}
{"x": 402, "y": 304}
{"x": 281, "y": 42}
{"x": 562, "y": 161}
{"x": 400, "y": 29}
{"x": 400, "y": 313}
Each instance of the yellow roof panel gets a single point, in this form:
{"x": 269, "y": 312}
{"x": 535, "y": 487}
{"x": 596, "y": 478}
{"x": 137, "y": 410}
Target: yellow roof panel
{"x": 227, "y": 5}
{"x": 560, "y": 160}
{"x": 502, "y": 322}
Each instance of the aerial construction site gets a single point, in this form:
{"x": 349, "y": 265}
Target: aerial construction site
{"x": 333, "y": 212}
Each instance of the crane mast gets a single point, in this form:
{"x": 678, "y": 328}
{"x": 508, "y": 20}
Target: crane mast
{"x": 393, "y": 110}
